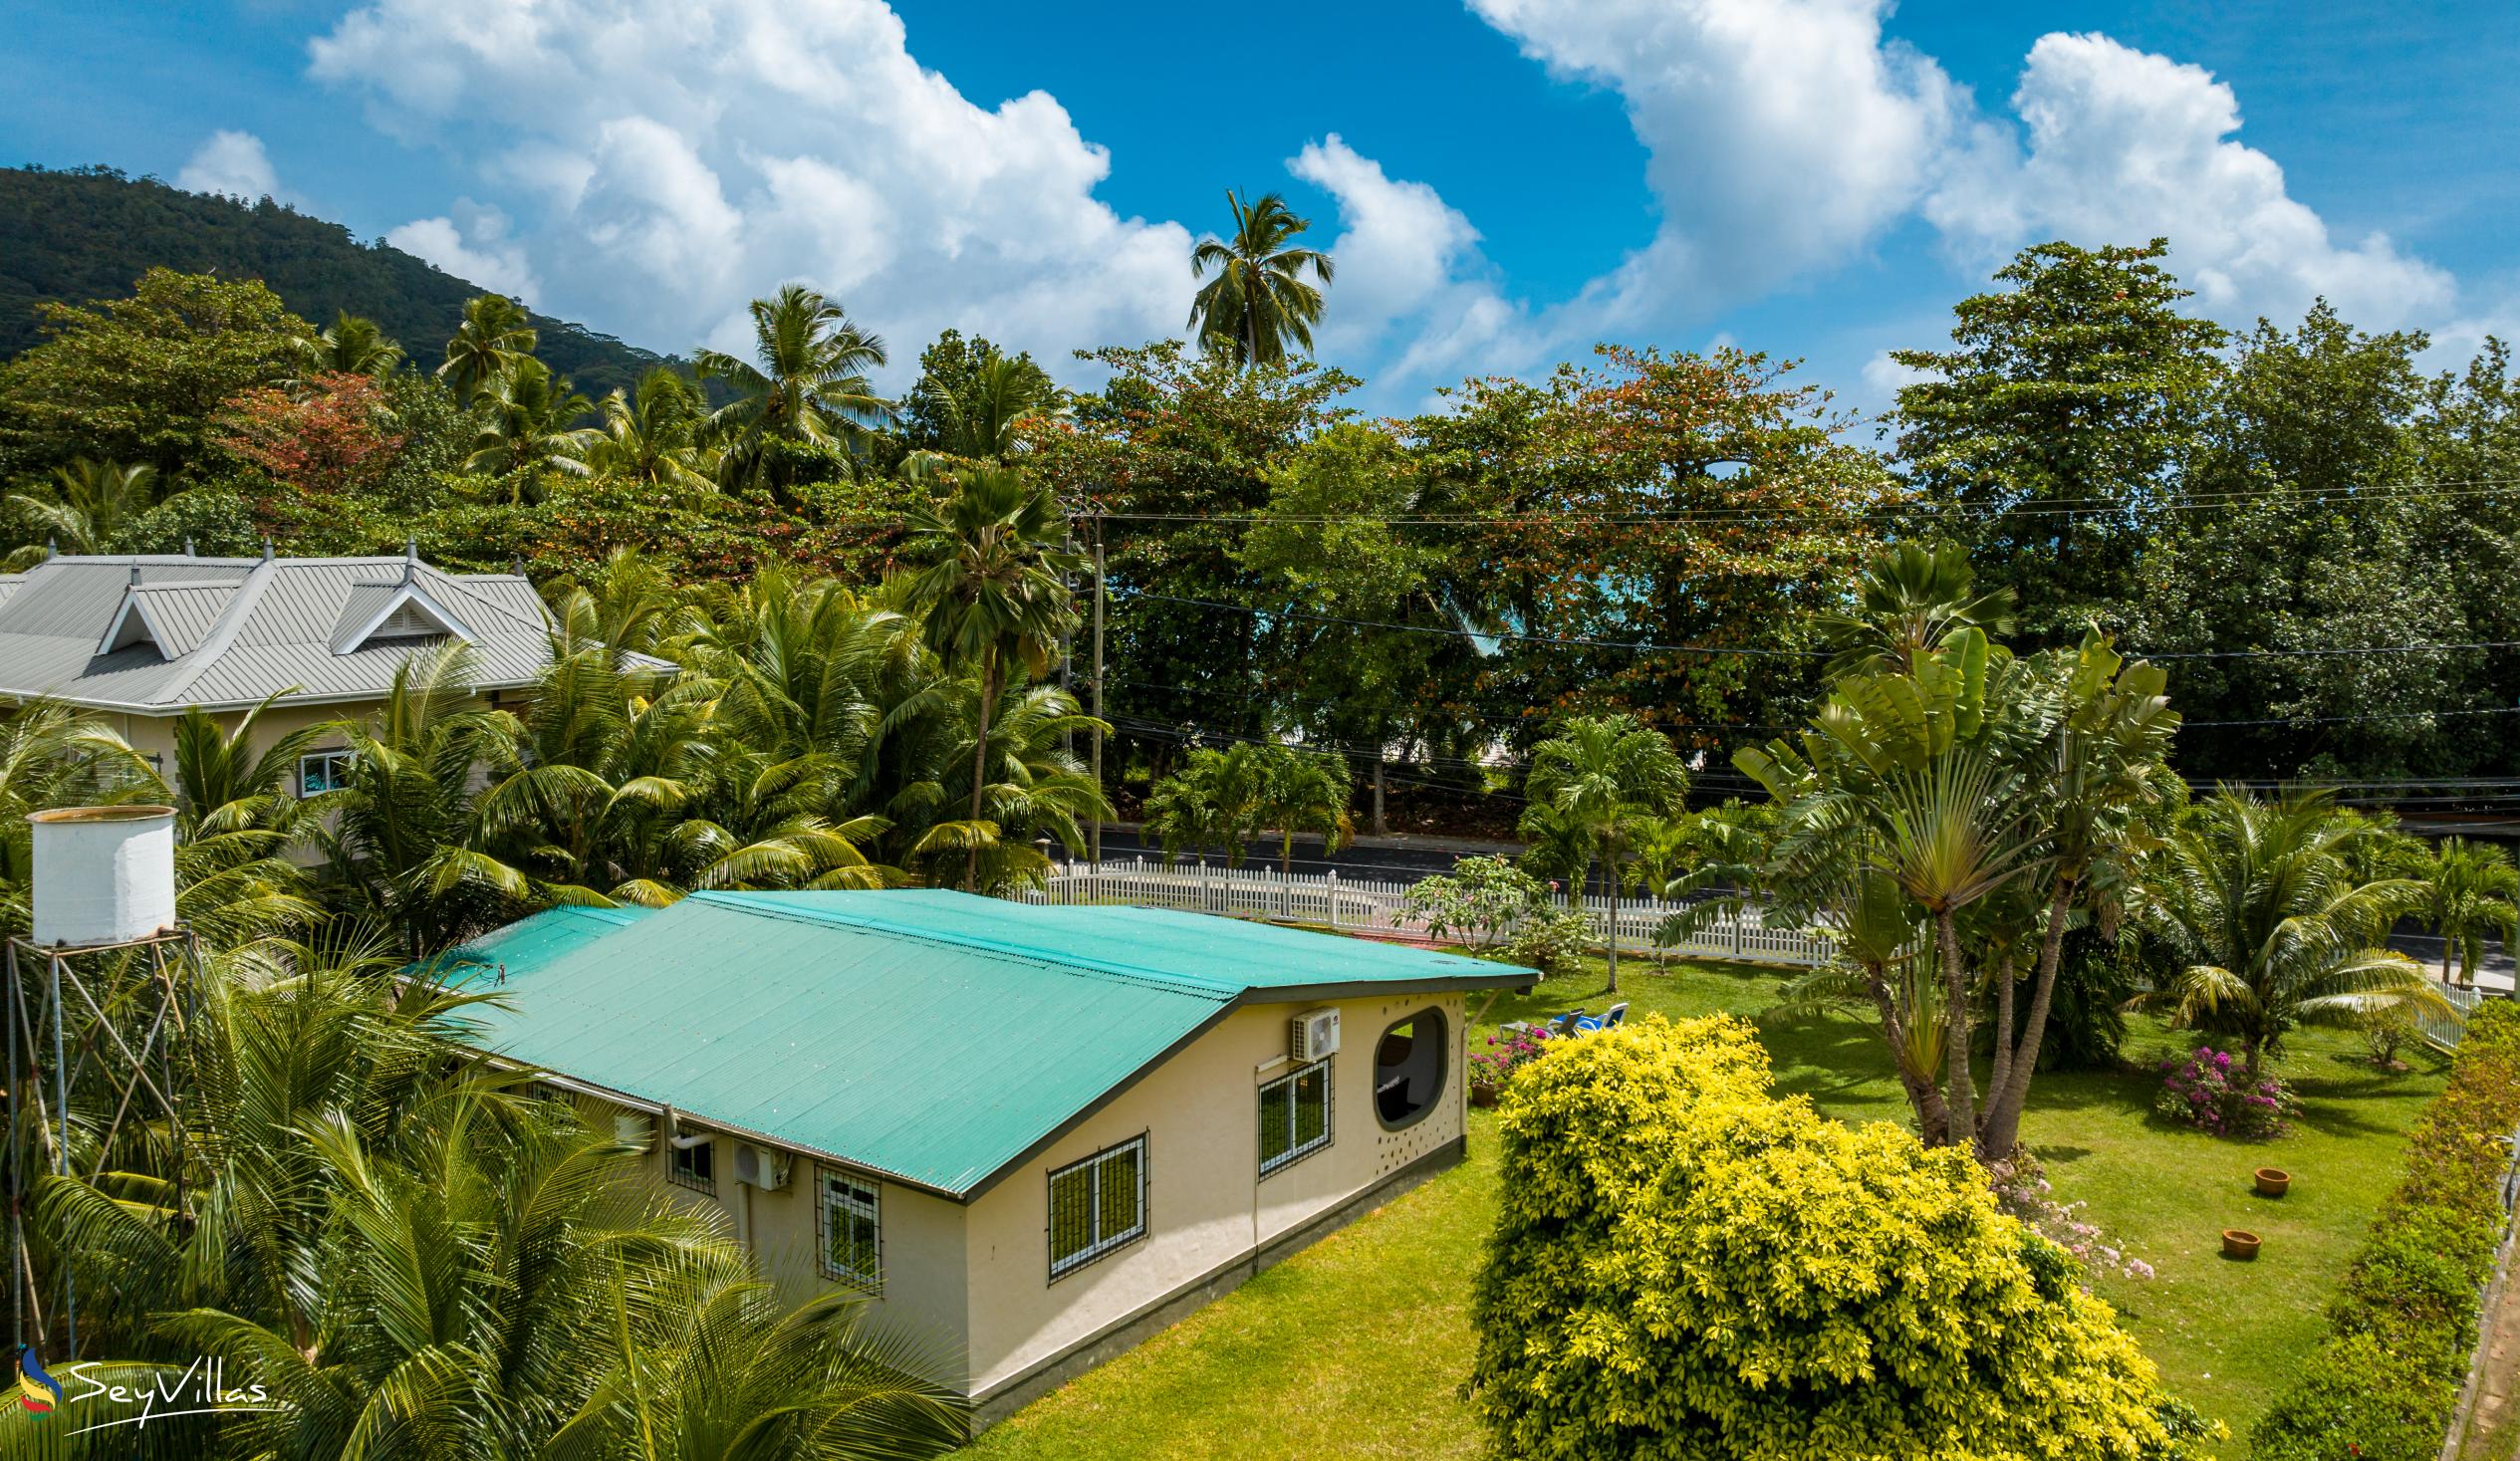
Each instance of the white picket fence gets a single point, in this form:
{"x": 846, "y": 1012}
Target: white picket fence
{"x": 2445, "y": 1030}
{"x": 1376, "y": 906}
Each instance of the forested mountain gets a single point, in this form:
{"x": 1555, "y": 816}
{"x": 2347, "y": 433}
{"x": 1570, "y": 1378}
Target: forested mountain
{"x": 86, "y": 233}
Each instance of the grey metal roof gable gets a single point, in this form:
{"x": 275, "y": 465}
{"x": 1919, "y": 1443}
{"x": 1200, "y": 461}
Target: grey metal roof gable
{"x": 274, "y": 634}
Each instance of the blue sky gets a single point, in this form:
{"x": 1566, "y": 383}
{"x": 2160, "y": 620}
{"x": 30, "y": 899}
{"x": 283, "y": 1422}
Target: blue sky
{"x": 1506, "y": 181}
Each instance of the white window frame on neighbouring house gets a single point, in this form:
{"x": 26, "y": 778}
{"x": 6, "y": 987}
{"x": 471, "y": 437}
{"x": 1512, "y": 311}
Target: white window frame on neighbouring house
{"x": 326, "y": 768}
{"x": 1079, "y": 1205}
{"x": 843, "y": 1202}
{"x": 1286, "y": 1099}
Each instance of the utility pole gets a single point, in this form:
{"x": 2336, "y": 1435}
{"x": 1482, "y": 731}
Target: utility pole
{"x": 1098, "y": 680}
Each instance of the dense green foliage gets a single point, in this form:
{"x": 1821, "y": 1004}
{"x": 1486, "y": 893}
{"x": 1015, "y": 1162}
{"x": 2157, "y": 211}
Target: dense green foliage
{"x": 2299, "y": 520}
{"x": 2382, "y": 1387}
{"x": 413, "y": 1257}
{"x": 1685, "y": 1265}
{"x": 2270, "y": 926}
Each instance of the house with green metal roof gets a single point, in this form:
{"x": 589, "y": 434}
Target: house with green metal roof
{"x": 1027, "y": 1135}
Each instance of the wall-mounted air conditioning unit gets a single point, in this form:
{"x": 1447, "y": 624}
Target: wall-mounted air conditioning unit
{"x": 1314, "y": 1035}
{"x": 765, "y": 1167}
{"x": 634, "y": 1129}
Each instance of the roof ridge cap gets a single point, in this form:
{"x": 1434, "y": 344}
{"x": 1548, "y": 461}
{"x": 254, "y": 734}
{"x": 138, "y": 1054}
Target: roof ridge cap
{"x": 463, "y": 587}
{"x": 1107, "y": 968}
{"x": 222, "y": 634}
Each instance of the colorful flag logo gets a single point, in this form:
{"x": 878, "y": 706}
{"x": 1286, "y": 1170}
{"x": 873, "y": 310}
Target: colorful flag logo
{"x": 36, "y": 1391}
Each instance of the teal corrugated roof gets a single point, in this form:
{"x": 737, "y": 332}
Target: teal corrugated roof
{"x": 546, "y": 936}
{"x": 932, "y": 1035}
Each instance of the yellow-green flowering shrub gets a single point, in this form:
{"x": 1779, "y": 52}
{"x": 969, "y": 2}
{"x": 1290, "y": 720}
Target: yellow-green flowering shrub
{"x": 1687, "y": 1265}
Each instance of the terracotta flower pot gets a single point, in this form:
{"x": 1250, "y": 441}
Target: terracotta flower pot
{"x": 2273, "y": 1181}
{"x": 2239, "y": 1244}
{"x": 1482, "y": 1096}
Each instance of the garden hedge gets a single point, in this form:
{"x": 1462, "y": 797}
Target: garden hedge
{"x": 2382, "y": 1385}
{"x": 1685, "y": 1265}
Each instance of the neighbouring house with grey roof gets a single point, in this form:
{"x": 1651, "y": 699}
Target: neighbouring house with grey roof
{"x": 138, "y": 639}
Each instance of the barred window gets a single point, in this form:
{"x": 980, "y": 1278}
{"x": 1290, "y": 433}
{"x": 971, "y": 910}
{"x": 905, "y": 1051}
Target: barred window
{"x": 851, "y": 1230}
{"x": 696, "y": 1166}
{"x": 1294, "y": 1117}
{"x": 1096, "y": 1205}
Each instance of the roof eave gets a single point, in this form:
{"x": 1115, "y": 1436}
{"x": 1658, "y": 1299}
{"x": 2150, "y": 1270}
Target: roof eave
{"x": 179, "y": 708}
{"x": 651, "y": 1106}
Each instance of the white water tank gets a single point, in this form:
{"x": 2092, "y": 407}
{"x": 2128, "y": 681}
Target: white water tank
{"x": 103, "y": 875}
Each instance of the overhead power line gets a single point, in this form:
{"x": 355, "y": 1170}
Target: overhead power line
{"x": 1716, "y": 650}
{"x": 2442, "y": 490}
{"x": 1562, "y": 642}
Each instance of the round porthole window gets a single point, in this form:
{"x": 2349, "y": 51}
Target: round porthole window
{"x": 1408, "y": 1069}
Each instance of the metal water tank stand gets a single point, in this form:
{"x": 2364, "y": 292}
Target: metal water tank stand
{"x": 101, "y": 1029}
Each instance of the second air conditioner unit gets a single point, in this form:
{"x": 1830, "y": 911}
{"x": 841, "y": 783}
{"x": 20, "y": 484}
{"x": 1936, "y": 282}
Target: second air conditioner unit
{"x": 765, "y": 1167}
{"x": 1314, "y": 1035}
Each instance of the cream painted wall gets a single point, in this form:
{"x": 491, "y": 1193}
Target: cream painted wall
{"x": 922, "y": 1301}
{"x": 1206, "y": 1203}
{"x": 968, "y": 1284}
{"x": 155, "y": 735}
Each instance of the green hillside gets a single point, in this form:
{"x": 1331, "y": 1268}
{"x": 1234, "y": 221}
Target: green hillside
{"x": 86, "y": 233}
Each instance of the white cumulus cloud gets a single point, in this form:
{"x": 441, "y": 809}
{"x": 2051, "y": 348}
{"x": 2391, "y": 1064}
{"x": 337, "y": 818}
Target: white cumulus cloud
{"x": 1410, "y": 278}
{"x": 231, "y": 164}
{"x": 670, "y": 161}
{"x": 1784, "y": 135}
{"x": 2118, "y": 146}
{"x": 473, "y": 245}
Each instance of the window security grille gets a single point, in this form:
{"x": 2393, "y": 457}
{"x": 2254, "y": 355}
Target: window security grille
{"x": 1096, "y": 1205}
{"x": 851, "y": 1230}
{"x": 1294, "y": 1117}
{"x": 696, "y": 1167}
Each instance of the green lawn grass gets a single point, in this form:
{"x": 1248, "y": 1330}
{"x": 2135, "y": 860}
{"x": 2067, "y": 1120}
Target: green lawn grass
{"x": 1356, "y": 1346}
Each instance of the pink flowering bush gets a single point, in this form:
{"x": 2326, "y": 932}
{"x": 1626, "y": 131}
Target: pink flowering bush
{"x": 2022, "y": 1189}
{"x": 2206, "y": 1091}
{"x": 1508, "y": 1051}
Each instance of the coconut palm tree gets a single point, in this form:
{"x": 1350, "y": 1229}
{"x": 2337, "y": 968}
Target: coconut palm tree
{"x": 525, "y": 427}
{"x": 652, "y": 437}
{"x": 2260, "y": 900}
{"x": 354, "y": 345}
{"x": 1307, "y": 791}
{"x": 1595, "y": 776}
{"x": 742, "y": 1379}
{"x": 282, "y": 1036}
{"x": 415, "y": 1258}
{"x": 237, "y": 819}
{"x": 981, "y": 418}
{"x": 2469, "y": 890}
{"x": 403, "y": 837}
{"x": 97, "y": 503}
{"x": 1258, "y": 302}
{"x": 620, "y": 779}
{"x": 1214, "y": 799}
{"x": 1034, "y": 787}
{"x": 809, "y": 388}
{"x": 992, "y": 596}
{"x": 496, "y": 334}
